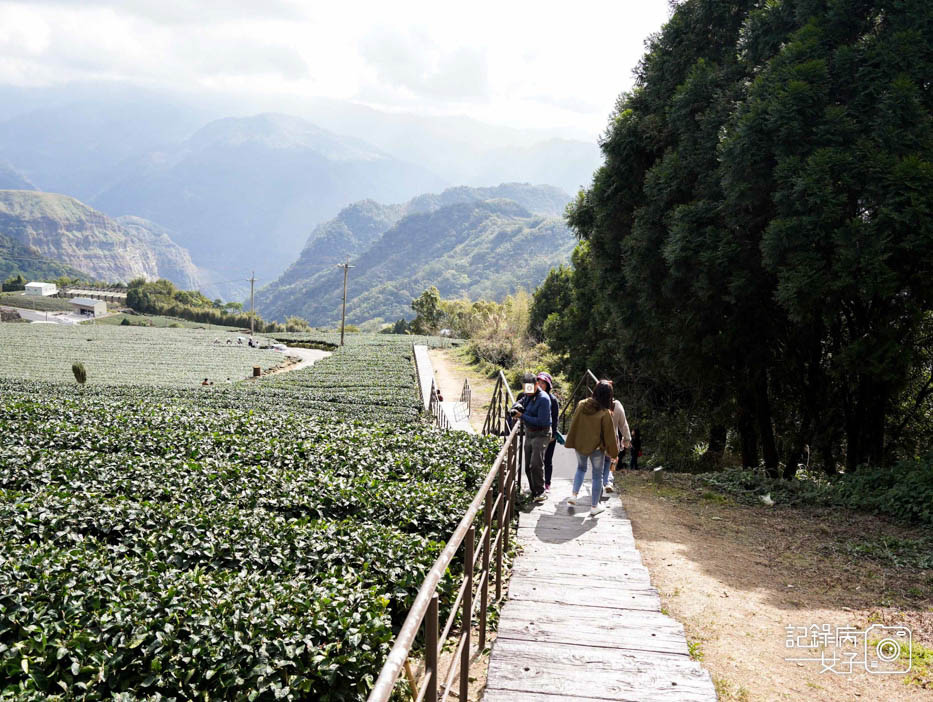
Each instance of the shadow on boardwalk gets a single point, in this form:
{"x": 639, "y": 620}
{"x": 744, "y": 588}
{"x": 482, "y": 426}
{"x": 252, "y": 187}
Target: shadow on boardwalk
{"x": 582, "y": 621}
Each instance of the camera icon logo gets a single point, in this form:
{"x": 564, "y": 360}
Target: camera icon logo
{"x": 887, "y": 649}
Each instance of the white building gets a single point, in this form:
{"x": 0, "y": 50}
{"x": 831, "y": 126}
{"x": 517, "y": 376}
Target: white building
{"x": 89, "y": 307}
{"x": 44, "y": 289}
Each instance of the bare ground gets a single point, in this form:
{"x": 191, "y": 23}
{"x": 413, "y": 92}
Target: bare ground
{"x": 296, "y": 359}
{"x": 736, "y": 576}
{"x": 451, "y": 368}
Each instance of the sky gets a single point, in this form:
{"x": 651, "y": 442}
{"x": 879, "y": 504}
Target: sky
{"x": 540, "y": 65}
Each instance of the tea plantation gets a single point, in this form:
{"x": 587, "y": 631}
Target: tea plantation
{"x": 116, "y": 355}
{"x": 257, "y": 540}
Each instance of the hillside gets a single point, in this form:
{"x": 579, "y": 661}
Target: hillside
{"x": 243, "y": 192}
{"x": 358, "y": 226}
{"x": 173, "y": 262}
{"x": 17, "y": 259}
{"x": 474, "y": 247}
{"x": 63, "y": 229}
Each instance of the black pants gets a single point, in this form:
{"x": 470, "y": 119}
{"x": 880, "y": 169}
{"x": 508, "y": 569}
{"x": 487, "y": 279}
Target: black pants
{"x": 535, "y": 447}
{"x": 549, "y": 461}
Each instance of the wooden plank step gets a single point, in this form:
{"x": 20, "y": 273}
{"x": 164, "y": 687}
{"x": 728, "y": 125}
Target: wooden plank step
{"x": 510, "y": 696}
{"x": 524, "y": 668}
{"x": 579, "y": 514}
{"x": 562, "y": 535}
{"x": 592, "y": 626}
{"x": 621, "y": 571}
{"x": 562, "y": 593}
{"x": 576, "y": 581}
{"x": 535, "y": 549}
{"x": 624, "y": 573}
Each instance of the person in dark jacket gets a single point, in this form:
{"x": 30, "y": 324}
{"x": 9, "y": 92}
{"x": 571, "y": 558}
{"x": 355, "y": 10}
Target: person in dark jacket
{"x": 536, "y": 416}
{"x": 522, "y": 399}
{"x": 555, "y": 413}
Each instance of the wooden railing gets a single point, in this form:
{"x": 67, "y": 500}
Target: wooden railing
{"x": 466, "y": 395}
{"x": 496, "y": 515}
{"x": 497, "y": 416}
{"x": 437, "y": 411}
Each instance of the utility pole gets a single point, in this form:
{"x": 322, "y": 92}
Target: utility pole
{"x": 252, "y": 281}
{"x": 343, "y": 317}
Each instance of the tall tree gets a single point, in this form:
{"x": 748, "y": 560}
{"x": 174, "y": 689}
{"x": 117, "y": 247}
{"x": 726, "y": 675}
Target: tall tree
{"x": 758, "y": 238}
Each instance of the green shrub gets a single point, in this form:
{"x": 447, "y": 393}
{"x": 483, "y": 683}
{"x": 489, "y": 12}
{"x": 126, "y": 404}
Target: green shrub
{"x": 79, "y": 372}
{"x": 903, "y": 492}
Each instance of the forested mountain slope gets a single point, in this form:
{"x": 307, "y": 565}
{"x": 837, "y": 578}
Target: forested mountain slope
{"x": 471, "y": 246}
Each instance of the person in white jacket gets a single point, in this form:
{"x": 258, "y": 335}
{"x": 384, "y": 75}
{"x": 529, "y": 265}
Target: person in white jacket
{"x": 621, "y": 426}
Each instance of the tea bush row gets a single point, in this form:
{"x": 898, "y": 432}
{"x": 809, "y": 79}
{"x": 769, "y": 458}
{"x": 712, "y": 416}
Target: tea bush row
{"x": 258, "y": 540}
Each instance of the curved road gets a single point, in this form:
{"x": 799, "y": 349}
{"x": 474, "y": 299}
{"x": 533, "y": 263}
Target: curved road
{"x": 307, "y": 356}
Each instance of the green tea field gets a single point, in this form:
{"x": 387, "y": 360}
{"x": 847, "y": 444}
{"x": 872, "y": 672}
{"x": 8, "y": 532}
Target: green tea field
{"x": 257, "y": 540}
{"x": 115, "y": 355}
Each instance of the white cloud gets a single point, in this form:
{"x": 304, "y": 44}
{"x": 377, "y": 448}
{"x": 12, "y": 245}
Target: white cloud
{"x": 528, "y": 64}
{"x": 412, "y": 61}
{"x": 181, "y": 12}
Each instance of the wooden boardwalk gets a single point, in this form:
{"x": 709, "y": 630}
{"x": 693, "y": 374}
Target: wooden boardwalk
{"x": 457, "y": 413}
{"x": 582, "y": 621}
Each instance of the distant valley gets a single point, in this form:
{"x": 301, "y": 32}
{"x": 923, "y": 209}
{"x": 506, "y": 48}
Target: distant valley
{"x": 243, "y": 193}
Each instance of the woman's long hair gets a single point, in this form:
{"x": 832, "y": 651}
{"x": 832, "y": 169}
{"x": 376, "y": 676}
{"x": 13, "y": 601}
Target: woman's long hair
{"x": 603, "y": 394}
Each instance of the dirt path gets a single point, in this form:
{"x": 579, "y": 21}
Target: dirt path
{"x": 736, "y": 576}
{"x": 451, "y": 367}
{"x": 305, "y": 358}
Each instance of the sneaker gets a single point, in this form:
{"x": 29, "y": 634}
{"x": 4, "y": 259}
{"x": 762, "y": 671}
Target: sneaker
{"x": 608, "y": 488}
{"x": 598, "y": 509}
{"x": 547, "y": 488}
{"x": 572, "y": 500}
{"x": 540, "y": 499}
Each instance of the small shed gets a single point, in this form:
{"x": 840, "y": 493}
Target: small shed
{"x": 43, "y": 289}
{"x": 88, "y": 307}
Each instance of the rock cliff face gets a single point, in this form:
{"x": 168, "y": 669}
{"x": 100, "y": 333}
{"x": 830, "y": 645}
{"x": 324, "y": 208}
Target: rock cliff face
{"x": 63, "y": 229}
{"x": 173, "y": 262}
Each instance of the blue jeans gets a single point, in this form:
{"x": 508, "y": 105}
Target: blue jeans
{"x": 596, "y": 459}
{"x": 607, "y": 474}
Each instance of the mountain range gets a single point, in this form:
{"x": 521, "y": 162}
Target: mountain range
{"x": 474, "y": 242}
{"x": 47, "y": 228}
{"x": 242, "y": 193}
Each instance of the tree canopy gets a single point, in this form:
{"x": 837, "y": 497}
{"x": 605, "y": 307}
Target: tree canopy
{"x": 758, "y": 243}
